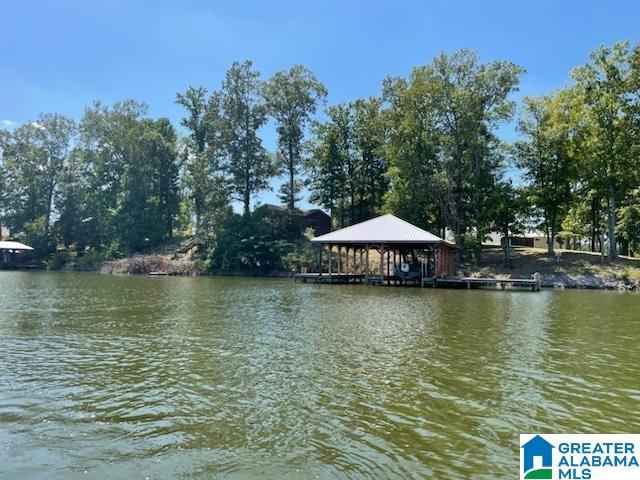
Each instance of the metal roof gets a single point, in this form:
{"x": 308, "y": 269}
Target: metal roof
{"x": 7, "y": 245}
{"x": 384, "y": 229}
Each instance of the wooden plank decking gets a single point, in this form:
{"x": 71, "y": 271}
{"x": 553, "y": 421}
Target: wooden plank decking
{"x": 532, "y": 284}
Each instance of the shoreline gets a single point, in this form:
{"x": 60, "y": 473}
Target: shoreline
{"x": 557, "y": 281}
{"x": 549, "y": 280}
{"x": 575, "y": 269}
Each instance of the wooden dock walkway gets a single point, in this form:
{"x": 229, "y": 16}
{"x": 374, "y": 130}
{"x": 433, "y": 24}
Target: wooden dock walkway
{"x": 532, "y": 284}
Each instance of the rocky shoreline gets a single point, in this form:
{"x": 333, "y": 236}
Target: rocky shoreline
{"x": 588, "y": 282}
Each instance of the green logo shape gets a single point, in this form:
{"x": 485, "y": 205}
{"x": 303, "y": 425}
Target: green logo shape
{"x": 540, "y": 473}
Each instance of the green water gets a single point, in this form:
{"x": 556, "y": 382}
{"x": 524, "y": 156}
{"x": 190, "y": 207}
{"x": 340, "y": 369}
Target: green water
{"x": 192, "y": 378}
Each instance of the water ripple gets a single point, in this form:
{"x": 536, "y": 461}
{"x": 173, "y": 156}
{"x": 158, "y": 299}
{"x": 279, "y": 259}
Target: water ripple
{"x": 240, "y": 378}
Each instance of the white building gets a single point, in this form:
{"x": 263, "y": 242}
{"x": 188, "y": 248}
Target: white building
{"x": 530, "y": 238}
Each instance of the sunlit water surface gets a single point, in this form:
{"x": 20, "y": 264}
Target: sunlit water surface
{"x": 196, "y": 378}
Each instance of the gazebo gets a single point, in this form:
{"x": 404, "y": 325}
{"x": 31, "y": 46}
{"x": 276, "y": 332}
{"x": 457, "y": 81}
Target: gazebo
{"x": 406, "y": 253}
{"x": 8, "y": 249}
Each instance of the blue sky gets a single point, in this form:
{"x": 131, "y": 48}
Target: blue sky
{"x": 61, "y": 55}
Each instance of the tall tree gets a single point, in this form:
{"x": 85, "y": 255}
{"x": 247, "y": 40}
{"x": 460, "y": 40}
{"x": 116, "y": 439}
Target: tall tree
{"x": 292, "y": 97}
{"x": 509, "y": 210}
{"x": 371, "y": 163}
{"x": 35, "y": 158}
{"x": 610, "y": 94}
{"x": 243, "y": 113}
{"x": 333, "y": 168}
{"x": 203, "y": 157}
{"x": 547, "y": 154}
{"x": 326, "y": 167}
{"x": 417, "y": 187}
{"x": 108, "y": 143}
{"x": 55, "y": 134}
{"x": 470, "y": 99}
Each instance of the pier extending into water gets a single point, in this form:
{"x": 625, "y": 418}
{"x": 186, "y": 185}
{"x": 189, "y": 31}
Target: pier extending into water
{"x": 532, "y": 284}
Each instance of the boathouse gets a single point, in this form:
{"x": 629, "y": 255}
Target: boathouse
{"x": 8, "y": 252}
{"x": 385, "y": 249}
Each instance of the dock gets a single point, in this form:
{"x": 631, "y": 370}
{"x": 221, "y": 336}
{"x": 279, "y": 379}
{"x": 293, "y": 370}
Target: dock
{"x": 532, "y": 284}
{"x": 407, "y": 256}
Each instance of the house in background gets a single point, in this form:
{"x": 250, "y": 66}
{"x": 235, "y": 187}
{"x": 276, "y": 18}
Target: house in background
{"x": 530, "y": 238}
{"x": 313, "y": 218}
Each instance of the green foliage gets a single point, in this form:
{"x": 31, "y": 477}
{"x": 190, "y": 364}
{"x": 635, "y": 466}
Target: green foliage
{"x": 254, "y": 243}
{"x": 609, "y": 88}
{"x": 348, "y": 164}
{"x": 444, "y": 158}
{"x": 629, "y": 223}
{"x": 509, "y": 211}
{"x": 243, "y": 112}
{"x": 549, "y": 155}
{"x": 35, "y": 161}
{"x": 203, "y": 178}
{"x": 292, "y": 97}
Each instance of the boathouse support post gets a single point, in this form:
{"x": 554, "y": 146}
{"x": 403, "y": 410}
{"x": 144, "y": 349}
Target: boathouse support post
{"x": 395, "y": 266}
{"x": 366, "y": 262}
{"x": 388, "y": 261}
{"x": 340, "y": 260}
{"x": 330, "y": 261}
{"x": 347, "y": 266}
{"x": 355, "y": 265}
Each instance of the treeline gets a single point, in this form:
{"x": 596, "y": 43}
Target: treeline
{"x": 427, "y": 149}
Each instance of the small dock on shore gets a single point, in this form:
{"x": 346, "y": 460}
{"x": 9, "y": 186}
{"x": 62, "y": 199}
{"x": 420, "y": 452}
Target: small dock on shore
{"x": 532, "y": 284}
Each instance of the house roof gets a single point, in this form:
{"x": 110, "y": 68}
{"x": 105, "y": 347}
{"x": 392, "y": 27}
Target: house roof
{"x": 538, "y": 442}
{"x": 384, "y": 229}
{"x": 8, "y": 245}
{"x": 303, "y": 212}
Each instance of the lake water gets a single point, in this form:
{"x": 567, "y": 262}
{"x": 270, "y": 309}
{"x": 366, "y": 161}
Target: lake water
{"x": 195, "y": 378}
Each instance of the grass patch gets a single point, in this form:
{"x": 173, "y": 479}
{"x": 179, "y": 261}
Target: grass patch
{"x": 525, "y": 261}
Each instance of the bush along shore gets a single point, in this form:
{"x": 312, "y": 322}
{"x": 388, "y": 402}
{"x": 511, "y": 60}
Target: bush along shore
{"x": 153, "y": 265}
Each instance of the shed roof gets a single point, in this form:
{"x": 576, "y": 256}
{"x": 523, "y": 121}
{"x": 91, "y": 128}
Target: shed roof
{"x": 384, "y": 229}
{"x": 8, "y": 245}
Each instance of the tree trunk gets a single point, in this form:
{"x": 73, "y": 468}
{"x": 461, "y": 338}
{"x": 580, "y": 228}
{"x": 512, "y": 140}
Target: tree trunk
{"x": 549, "y": 233}
{"x": 594, "y": 226}
{"x": 196, "y": 207}
{"x": 247, "y": 202}
{"x": 613, "y": 247}
{"x": 247, "y": 191}
{"x": 48, "y": 219}
{"x": 624, "y": 247}
{"x": 505, "y": 247}
{"x": 291, "y": 178}
{"x": 458, "y": 208}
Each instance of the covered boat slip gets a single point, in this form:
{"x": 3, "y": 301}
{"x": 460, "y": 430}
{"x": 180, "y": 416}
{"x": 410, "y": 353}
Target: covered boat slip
{"x": 9, "y": 251}
{"x": 389, "y": 250}
{"x": 384, "y": 249}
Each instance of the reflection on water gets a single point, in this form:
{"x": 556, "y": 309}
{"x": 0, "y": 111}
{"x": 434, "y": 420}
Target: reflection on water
{"x": 121, "y": 377}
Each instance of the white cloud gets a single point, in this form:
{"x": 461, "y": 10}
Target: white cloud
{"x": 6, "y": 123}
